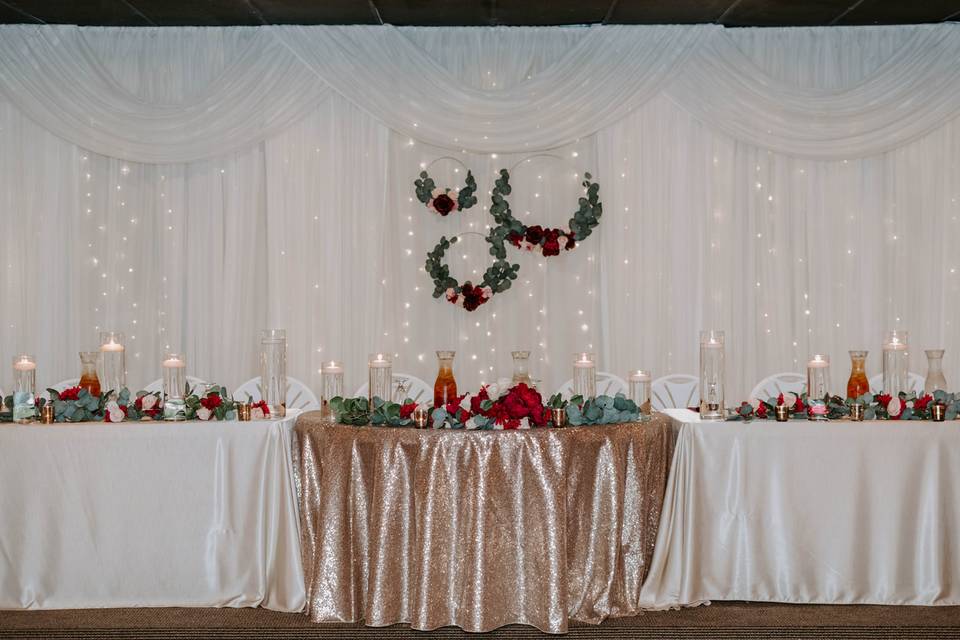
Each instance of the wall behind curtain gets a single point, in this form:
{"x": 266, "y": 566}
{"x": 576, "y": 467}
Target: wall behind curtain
{"x": 317, "y": 230}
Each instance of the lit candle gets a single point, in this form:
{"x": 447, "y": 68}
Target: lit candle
{"x": 584, "y": 361}
{"x": 819, "y": 362}
{"x": 112, "y": 346}
{"x": 174, "y": 363}
{"x": 24, "y": 363}
{"x": 639, "y": 376}
{"x": 380, "y": 361}
{"x": 332, "y": 367}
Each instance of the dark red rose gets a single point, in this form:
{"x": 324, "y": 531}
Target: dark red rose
{"x": 534, "y": 234}
{"x": 211, "y": 402}
{"x": 473, "y": 296}
{"x": 762, "y": 411}
{"x": 551, "y": 245}
{"x": 444, "y": 204}
{"x": 477, "y": 400}
{"x": 799, "y": 407}
{"x": 73, "y": 393}
{"x": 571, "y": 242}
{"x": 406, "y": 410}
{"x": 514, "y": 238}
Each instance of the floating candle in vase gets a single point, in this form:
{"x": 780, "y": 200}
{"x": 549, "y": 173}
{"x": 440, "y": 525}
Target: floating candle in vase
{"x": 24, "y": 388}
{"x": 584, "y": 375}
{"x": 896, "y": 361}
{"x": 639, "y": 382}
{"x": 380, "y": 377}
{"x": 818, "y": 386}
{"x": 174, "y": 387}
{"x": 331, "y": 385}
{"x": 712, "y": 385}
{"x": 113, "y": 370}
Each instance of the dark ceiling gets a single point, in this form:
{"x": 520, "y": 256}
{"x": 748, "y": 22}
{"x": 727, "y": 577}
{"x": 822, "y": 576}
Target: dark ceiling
{"x": 734, "y": 13}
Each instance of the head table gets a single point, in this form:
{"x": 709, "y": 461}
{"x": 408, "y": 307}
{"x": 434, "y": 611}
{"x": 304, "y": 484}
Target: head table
{"x": 810, "y": 512}
{"x": 479, "y": 528}
{"x": 155, "y": 514}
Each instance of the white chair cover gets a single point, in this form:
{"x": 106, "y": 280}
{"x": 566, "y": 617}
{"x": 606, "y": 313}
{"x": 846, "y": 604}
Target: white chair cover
{"x": 299, "y": 396}
{"x": 157, "y": 385}
{"x": 64, "y": 384}
{"x": 773, "y": 386}
{"x": 608, "y": 384}
{"x": 914, "y": 381}
{"x": 679, "y": 390}
{"x": 412, "y": 387}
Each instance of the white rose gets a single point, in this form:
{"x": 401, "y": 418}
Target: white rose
{"x": 465, "y": 403}
{"x": 256, "y": 413}
{"x": 493, "y": 391}
{"x": 470, "y": 424}
{"x": 755, "y": 403}
{"x": 114, "y": 414}
{"x": 148, "y": 402}
{"x": 203, "y": 413}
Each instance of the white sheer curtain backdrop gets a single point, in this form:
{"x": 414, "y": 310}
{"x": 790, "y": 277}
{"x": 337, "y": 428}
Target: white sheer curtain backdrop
{"x": 191, "y": 186}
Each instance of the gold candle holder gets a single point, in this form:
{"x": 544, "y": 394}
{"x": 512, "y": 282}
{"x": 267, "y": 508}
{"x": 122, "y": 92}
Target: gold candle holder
{"x": 856, "y": 412}
{"x": 938, "y": 412}
{"x": 781, "y": 413}
{"x": 243, "y": 411}
{"x": 421, "y": 417}
{"x": 47, "y": 415}
{"x": 559, "y": 417}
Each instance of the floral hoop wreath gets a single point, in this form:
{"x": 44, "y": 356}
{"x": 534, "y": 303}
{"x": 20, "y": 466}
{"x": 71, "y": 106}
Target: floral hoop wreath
{"x": 445, "y": 201}
{"x": 536, "y": 238}
{"x": 497, "y": 278}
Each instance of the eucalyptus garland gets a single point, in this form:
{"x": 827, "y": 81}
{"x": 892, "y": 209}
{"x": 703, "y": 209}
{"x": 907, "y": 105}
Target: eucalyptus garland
{"x": 497, "y": 278}
{"x": 445, "y": 200}
{"x": 548, "y": 241}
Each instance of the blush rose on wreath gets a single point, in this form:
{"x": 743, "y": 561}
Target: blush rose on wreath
{"x": 445, "y": 201}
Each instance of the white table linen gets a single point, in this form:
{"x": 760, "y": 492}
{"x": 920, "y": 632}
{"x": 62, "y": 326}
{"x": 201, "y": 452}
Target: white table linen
{"x": 804, "y": 512}
{"x": 149, "y": 514}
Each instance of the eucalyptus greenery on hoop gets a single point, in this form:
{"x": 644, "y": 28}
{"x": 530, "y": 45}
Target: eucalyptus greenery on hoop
{"x": 497, "y": 278}
{"x": 445, "y": 200}
{"x": 547, "y": 241}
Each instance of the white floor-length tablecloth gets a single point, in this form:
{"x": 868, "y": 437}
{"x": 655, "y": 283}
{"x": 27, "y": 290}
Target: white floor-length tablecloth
{"x": 149, "y": 514}
{"x": 805, "y": 512}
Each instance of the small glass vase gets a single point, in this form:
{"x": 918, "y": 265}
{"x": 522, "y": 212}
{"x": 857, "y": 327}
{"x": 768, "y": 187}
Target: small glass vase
{"x": 857, "y": 384}
{"x": 521, "y": 368}
{"x": 445, "y": 387}
{"x": 935, "y": 379}
{"x": 273, "y": 370}
{"x": 712, "y": 370}
{"x": 88, "y": 372}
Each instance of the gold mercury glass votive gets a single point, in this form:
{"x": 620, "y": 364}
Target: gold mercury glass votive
{"x": 782, "y": 412}
{"x": 939, "y": 412}
{"x": 47, "y": 415}
{"x": 856, "y": 412}
{"x": 243, "y": 411}
{"x": 421, "y": 417}
{"x": 559, "y": 417}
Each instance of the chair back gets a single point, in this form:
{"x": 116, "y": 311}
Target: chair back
{"x": 299, "y": 396}
{"x": 915, "y": 383}
{"x": 773, "y": 386}
{"x": 405, "y": 386}
{"x": 608, "y": 384}
{"x": 64, "y": 384}
{"x": 677, "y": 391}
{"x": 157, "y": 385}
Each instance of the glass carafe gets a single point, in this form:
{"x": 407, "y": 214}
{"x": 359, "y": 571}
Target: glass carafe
{"x": 858, "y": 384}
{"x": 88, "y": 372}
{"x": 445, "y": 388}
{"x": 521, "y": 368}
{"x": 935, "y": 379}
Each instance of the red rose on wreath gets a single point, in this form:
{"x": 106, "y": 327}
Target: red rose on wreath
{"x": 571, "y": 242}
{"x": 515, "y": 238}
{"x": 534, "y": 234}
{"x": 474, "y": 296}
{"x": 406, "y": 410}
{"x": 551, "y": 246}
{"x": 443, "y": 204}
{"x": 72, "y": 393}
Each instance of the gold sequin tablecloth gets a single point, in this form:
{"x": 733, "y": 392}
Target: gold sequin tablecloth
{"x": 479, "y": 529}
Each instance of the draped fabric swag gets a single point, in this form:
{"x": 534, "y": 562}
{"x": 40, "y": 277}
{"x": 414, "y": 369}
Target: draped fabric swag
{"x": 796, "y": 187}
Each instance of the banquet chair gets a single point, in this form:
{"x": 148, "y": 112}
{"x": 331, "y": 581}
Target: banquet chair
{"x": 64, "y": 384}
{"x": 299, "y": 396}
{"x": 608, "y": 384}
{"x": 914, "y": 382}
{"x": 411, "y": 387}
{"x": 157, "y": 385}
{"x": 677, "y": 391}
{"x": 773, "y": 386}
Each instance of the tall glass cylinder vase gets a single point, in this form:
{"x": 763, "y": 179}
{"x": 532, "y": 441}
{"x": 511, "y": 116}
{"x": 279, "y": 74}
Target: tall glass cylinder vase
{"x": 331, "y": 385}
{"x": 113, "y": 364}
{"x": 174, "y": 387}
{"x": 521, "y": 368}
{"x": 712, "y": 382}
{"x": 639, "y": 384}
{"x": 935, "y": 380}
{"x": 380, "y": 373}
{"x": 24, "y": 388}
{"x": 585, "y": 375}
{"x": 273, "y": 370}
{"x": 896, "y": 362}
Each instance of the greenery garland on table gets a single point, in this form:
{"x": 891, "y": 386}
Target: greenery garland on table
{"x": 445, "y": 201}
{"x": 497, "y": 278}
{"x": 881, "y": 406}
{"x": 357, "y": 411}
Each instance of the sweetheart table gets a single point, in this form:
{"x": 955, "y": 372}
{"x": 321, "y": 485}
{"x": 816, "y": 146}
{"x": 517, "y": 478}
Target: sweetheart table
{"x": 479, "y": 529}
{"x": 149, "y": 514}
{"x": 810, "y": 512}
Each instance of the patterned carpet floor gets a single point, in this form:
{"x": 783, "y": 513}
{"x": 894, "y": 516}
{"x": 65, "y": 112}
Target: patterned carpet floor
{"x": 718, "y": 621}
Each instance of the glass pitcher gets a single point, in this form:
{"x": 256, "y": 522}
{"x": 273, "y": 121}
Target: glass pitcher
{"x": 521, "y": 368}
{"x": 445, "y": 388}
{"x": 935, "y": 379}
{"x": 88, "y": 372}
{"x": 858, "y": 384}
